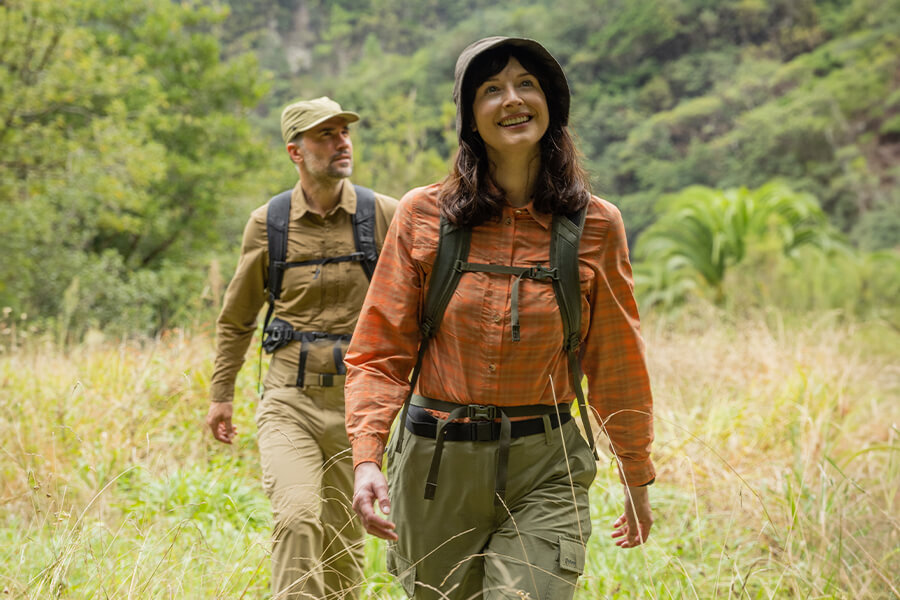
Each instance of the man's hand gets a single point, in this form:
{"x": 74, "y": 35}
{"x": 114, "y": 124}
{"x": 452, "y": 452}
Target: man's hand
{"x": 219, "y": 420}
{"x": 370, "y": 485}
{"x": 633, "y": 527}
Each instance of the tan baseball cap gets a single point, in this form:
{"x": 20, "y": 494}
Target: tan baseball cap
{"x": 306, "y": 114}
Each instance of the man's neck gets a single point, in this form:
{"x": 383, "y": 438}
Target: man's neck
{"x": 322, "y": 195}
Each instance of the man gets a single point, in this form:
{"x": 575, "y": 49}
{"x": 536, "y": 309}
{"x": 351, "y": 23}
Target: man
{"x": 304, "y": 452}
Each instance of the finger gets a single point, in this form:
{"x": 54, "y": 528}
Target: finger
{"x": 223, "y": 433}
{"x": 381, "y": 494}
{"x": 381, "y": 528}
{"x": 635, "y": 537}
{"x": 375, "y": 525}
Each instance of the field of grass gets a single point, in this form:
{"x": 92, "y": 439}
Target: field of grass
{"x": 778, "y": 457}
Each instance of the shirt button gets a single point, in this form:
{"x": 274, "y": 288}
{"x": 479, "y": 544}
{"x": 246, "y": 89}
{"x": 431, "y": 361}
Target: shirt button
{"x": 488, "y": 293}
{"x": 492, "y": 367}
{"x": 508, "y": 221}
{"x": 496, "y": 317}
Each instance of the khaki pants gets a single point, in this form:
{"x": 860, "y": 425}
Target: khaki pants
{"x": 317, "y": 549}
{"x": 462, "y": 546}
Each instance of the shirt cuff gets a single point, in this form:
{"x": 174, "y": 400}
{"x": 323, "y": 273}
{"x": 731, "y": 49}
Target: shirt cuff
{"x": 221, "y": 393}
{"x": 637, "y": 474}
{"x": 367, "y": 448}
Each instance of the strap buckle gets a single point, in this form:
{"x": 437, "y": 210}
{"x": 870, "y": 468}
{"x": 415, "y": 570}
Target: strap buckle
{"x": 541, "y": 272}
{"x": 482, "y": 412}
{"x": 572, "y": 342}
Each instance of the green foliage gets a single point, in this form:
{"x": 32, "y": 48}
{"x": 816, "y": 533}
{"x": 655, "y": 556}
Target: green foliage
{"x": 219, "y": 504}
{"x": 856, "y": 284}
{"x": 124, "y": 135}
{"x": 707, "y": 232}
{"x": 134, "y": 127}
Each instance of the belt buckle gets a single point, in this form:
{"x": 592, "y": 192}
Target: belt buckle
{"x": 482, "y": 412}
{"x": 326, "y": 380}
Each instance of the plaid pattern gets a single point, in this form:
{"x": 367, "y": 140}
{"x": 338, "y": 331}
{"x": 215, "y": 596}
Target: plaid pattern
{"x": 472, "y": 358}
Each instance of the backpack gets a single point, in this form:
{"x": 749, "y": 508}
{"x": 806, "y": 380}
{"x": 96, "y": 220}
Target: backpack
{"x": 278, "y": 216}
{"x": 449, "y": 265}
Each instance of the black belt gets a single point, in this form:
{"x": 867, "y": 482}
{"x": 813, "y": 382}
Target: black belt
{"x": 324, "y": 379}
{"x": 483, "y": 417}
{"x": 421, "y": 423}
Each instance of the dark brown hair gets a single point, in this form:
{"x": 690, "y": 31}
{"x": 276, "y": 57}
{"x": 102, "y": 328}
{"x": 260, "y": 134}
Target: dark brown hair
{"x": 468, "y": 196}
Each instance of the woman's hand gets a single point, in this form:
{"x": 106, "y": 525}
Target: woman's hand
{"x": 370, "y": 485}
{"x": 633, "y": 527}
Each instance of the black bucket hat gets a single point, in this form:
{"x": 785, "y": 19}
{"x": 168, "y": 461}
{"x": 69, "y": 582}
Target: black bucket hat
{"x": 557, "y": 78}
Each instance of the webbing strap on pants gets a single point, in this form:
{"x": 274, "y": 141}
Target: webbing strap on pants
{"x": 481, "y": 414}
{"x": 583, "y": 408}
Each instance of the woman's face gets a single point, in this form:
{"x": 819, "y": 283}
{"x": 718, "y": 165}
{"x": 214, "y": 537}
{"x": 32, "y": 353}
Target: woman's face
{"x": 510, "y": 110}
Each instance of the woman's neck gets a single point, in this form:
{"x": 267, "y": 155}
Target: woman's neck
{"x": 516, "y": 175}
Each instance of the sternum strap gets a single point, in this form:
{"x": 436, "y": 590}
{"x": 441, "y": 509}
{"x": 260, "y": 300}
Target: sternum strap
{"x": 538, "y": 272}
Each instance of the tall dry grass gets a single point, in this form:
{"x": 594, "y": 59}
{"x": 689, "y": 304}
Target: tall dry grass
{"x": 777, "y": 454}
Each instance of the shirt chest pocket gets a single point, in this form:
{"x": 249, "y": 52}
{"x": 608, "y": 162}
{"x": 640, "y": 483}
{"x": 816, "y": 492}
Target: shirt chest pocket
{"x": 319, "y": 274}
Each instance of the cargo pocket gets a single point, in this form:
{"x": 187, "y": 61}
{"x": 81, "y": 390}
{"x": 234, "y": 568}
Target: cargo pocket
{"x": 571, "y": 555}
{"x": 402, "y": 569}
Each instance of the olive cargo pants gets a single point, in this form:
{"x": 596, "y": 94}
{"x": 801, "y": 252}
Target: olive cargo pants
{"x": 317, "y": 549}
{"x": 462, "y": 545}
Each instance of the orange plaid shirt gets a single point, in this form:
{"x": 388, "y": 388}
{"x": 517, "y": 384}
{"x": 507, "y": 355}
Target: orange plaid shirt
{"x": 472, "y": 358}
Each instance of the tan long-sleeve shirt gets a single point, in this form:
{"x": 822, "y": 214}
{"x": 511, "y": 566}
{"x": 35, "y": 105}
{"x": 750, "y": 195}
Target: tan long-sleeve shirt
{"x": 314, "y": 298}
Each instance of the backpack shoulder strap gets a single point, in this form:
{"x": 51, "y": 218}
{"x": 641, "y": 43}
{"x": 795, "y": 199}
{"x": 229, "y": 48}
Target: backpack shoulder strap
{"x": 564, "y": 243}
{"x": 452, "y": 251}
{"x": 564, "y": 258}
{"x": 364, "y": 229}
{"x": 278, "y": 215}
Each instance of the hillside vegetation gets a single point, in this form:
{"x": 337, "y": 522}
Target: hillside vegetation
{"x": 138, "y": 134}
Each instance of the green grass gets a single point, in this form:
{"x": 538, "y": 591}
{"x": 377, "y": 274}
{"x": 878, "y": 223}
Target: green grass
{"x": 778, "y": 457}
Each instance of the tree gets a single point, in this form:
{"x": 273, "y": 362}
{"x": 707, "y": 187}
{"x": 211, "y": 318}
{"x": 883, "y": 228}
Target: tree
{"x": 124, "y": 136}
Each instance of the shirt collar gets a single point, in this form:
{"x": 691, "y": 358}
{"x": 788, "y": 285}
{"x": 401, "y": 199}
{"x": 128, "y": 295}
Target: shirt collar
{"x": 300, "y": 206}
{"x": 544, "y": 220}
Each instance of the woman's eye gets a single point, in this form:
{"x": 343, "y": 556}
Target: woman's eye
{"x": 491, "y": 89}
{"x": 527, "y": 83}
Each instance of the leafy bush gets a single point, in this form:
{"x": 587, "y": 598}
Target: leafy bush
{"x": 707, "y": 232}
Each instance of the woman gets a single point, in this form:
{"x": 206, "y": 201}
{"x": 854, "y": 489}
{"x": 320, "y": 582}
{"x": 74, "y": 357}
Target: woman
{"x": 507, "y": 515}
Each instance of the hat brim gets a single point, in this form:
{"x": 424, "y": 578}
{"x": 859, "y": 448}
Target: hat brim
{"x": 350, "y": 116}
{"x": 555, "y": 72}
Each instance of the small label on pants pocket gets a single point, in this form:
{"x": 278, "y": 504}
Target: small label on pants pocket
{"x": 571, "y": 555}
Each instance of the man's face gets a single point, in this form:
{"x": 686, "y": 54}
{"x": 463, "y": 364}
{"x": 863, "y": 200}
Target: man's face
{"x": 325, "y": 151}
